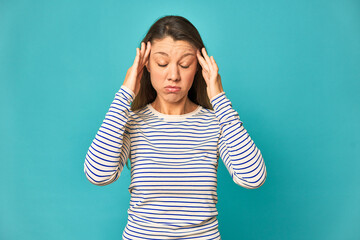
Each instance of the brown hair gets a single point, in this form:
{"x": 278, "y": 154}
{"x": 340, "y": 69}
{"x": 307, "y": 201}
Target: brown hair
{"x": 179, "y": 28}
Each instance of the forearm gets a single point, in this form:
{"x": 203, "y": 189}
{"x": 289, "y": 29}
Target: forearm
{"x": 239, "y": 153}
{"x": 109, "y": 149}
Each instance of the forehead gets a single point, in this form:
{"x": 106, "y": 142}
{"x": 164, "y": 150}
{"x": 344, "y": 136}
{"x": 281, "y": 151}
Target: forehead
{"x": 170, "y": 47}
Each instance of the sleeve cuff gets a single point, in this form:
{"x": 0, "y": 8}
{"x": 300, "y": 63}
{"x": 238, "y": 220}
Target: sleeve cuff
{"x": 223, "y": 109}
{"x": 216, "y": 96}
{"x": 126, "y": 94}
{"x": 129, "y": 94}
{"x": 128, "y": 90}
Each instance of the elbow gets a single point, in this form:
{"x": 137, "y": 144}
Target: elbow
{"x": 99, "y": 180}
{"x": 249, "y": 185}
{"x": 260, "y": 182}
{"x": 252, "y": 182}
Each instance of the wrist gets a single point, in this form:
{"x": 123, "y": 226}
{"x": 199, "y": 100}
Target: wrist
{"x": 214, "y": 91}
{"x": 129, "y": 89}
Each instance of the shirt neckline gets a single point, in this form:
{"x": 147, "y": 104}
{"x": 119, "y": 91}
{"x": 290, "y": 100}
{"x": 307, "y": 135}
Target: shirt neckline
{"x": 173, "y": 116}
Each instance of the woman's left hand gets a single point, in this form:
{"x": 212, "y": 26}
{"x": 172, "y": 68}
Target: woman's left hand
{"x": 210, "y": 73}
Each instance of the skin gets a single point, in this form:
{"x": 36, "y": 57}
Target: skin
{"x": 178, "y": 60}
{"x": 172, "y": 63}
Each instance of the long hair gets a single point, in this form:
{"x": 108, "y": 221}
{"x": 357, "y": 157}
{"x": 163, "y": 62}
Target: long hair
{"x": 179, "y": 28}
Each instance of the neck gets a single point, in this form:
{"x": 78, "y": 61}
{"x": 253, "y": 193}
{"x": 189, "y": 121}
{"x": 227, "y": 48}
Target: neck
{"x": 173, "y": 108}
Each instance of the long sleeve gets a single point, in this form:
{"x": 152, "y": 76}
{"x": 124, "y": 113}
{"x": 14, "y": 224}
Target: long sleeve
{"x": 109, "y": 151}
{"x": 237, "y": 150}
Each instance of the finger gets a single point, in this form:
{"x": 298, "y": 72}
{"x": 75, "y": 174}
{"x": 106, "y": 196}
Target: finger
{"x": 136, "y": 55}
{"x": 215, "y": 67}
{"x": 202, "y": 61}
{"x": 206, "y": 56}
{"x": 142, "y": 50}
{"x": 205, "y": 75}
{"x": 147, "y": 53}
{"x": 143, "y": 47}
{"x": 136, "y": 60}
{"x": 207, "y": 59}
{"x": 204, "y": 65}
{"x": 198, "y": 54}
{"x": 139, "y": 54}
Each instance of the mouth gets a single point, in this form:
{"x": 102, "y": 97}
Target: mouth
{"x": 172, "y": 88}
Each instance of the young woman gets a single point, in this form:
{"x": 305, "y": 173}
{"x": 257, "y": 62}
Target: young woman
{"x": 172, "y": 119}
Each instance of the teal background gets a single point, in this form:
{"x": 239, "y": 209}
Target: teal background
{"x": 290, "y": 68}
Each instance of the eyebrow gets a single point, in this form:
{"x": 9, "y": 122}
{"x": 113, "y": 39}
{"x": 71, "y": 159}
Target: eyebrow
{"x": 186, "y": 54}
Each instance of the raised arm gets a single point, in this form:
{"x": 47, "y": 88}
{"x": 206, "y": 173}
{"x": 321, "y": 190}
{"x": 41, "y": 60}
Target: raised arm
{"x": 110, "y": 148}
{"x": 237, "y": 150}
{"x": 242, "y": 158}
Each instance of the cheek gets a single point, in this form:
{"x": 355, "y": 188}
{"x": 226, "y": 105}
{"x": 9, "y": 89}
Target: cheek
{"x": 190, "y": 74}
{"x": 154, "y": 70}
{"x": 156, "y": 77}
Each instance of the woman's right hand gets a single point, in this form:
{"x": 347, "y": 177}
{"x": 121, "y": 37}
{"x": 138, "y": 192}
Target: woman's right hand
{"x": 134, "y": 73}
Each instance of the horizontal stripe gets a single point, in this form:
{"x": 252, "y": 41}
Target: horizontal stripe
{"x": 174, "y": 161}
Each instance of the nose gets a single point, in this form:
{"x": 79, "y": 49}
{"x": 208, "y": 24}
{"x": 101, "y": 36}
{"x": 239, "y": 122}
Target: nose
{"x": 174, "y": 73}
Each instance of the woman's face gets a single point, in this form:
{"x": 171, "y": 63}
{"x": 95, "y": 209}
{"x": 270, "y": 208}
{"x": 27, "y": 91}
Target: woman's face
{"x": 172, "y": 63}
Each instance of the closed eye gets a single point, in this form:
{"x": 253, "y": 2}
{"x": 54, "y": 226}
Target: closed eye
{"x": 166, "y": 65}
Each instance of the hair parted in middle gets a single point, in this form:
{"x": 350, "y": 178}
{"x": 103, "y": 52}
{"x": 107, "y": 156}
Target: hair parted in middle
{"x": 178, "y": 28}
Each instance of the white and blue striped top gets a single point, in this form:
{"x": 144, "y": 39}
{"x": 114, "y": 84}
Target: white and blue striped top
{"x": 174, "y": 161}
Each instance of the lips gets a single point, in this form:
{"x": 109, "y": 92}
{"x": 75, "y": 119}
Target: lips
{"x": 170, "y": 88}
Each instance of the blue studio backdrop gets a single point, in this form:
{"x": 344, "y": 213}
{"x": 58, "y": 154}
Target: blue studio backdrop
{"x": 290, "y": 69}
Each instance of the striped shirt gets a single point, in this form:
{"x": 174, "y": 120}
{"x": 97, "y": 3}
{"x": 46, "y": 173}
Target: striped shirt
{"x": 174, "y": 161}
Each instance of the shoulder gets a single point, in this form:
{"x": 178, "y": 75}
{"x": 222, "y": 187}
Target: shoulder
{"x": 140, "y": 115}
{"x": 206, "y": 113}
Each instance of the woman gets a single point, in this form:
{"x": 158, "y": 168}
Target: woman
{"x": 172, "y": 119}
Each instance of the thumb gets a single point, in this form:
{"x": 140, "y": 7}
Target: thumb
{"x": 136, "y": 60}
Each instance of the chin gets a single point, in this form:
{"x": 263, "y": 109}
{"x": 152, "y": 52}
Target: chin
{"x": 173, "y": 98}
